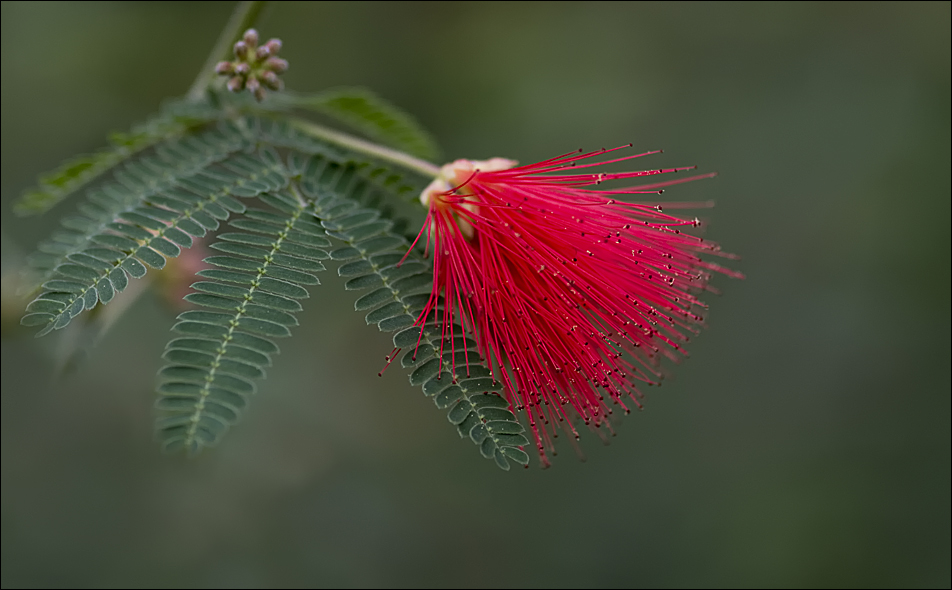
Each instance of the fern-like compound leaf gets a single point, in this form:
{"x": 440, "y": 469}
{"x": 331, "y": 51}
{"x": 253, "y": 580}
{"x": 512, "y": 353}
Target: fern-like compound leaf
{"x": 149, "y": 215}
{"x": 369, "y": 114}
{"x": 249, "y": 299}
{"x": 175, "y": 120}
{"x": 135, "y": 184}
{"x": 447, "y": 366}
{"x": 384, "y": 183}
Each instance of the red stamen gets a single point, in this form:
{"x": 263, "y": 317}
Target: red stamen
{"x": 571, "y": 296}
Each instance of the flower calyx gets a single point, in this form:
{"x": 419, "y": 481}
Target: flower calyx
{"x": 453, "y": 180}
{"x": 454, "y": 176}
{"x": 255, "y": 67}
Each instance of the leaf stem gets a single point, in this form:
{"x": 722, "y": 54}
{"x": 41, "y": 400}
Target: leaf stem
{"x": 245, "y": 15}
{"x": 365, "y": 147}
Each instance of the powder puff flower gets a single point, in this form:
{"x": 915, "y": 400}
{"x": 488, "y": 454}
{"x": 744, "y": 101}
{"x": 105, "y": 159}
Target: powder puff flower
{"x": 571, "y": 294}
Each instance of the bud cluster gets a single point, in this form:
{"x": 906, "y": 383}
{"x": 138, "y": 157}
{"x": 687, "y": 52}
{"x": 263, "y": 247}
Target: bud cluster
{"x": 255, "y": 67}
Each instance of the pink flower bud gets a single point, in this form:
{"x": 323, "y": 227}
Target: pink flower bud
{"x": 271, "y": 80}
{"x": 262, "y": 52}
{"x": 251, "y": 38}
{"x": 259, "y": 94}
{"x": 241, "y": 50}
{"x": 274, "y": 46}
{"x": 253, "y": 84}
{"x": 236, "y": 83}
{"x": 242, "y": 69}
{"x": 276, "y": 64}
{"x": 224, "y": 68}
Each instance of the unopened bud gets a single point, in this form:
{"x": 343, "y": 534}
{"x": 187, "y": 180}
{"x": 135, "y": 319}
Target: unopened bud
{"x": 241, "y": 50}
{"x": 262, "y": 52}
{"x": 224, "y": 68}
{"x": 251, "y": 38}
{"x": 274, "y": 46}
{"x": 276, "y": 64}
{"x": 259, "y": 94}
{"x": 242, "y": 69}
{"x": 235, "y": 84}
{"x": 271, "y": 80}
{"x": 253, "y": 85}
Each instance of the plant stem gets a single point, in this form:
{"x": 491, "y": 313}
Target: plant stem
{"x": 365, "y": 147}
{"x": 245, "y": 15}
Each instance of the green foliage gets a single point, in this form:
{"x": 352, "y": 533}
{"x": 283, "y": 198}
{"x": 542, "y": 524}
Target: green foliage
{"x": 135, "y": 183}
{"x": 371, "y": 115}
{"x": 389, "y": 185}
{"x": 176, "y": 119}
{"x": 449, "y": 369}
{"x": 177, "y": 179}
{"x": 151, "y": 213}
{"x": 249, "y": 299}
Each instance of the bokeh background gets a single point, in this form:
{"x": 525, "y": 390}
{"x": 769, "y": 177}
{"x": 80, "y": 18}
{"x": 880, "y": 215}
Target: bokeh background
{"x": 806, "y": 442}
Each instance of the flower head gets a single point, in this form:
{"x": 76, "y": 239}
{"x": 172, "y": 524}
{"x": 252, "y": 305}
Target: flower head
{"x": 255, "y": 67}
{"x": 572, "y": 295}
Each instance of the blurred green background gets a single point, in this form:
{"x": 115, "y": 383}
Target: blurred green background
{"x": 805, "y": 443}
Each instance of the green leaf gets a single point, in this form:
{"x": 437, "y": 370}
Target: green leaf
{"x": 448, "y": 397}
{"x": 198, "y": 184}
{"x": 81, "y": 170}
{"x": 222, "y": 351}
{"x": 369, "y": 114}
{"x": 374, "y": 299}
{"x": 375, "y": 259}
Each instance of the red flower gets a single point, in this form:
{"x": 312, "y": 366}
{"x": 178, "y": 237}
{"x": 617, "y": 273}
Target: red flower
{"x": 571, "y": 295}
